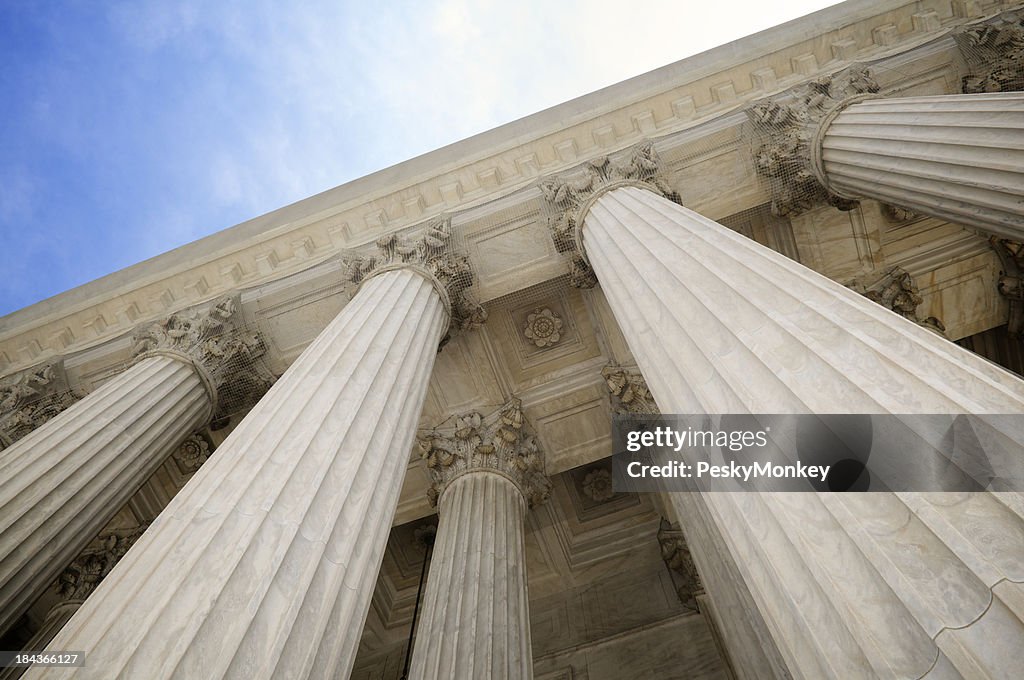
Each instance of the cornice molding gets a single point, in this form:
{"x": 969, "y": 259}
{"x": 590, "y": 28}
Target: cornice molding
{"x": 668, "y": 101}
{"x": 499, "y": 443}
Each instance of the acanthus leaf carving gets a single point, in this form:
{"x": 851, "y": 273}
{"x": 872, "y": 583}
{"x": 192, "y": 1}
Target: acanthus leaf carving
{"x": 994, "y": 52}
{"x": 894, "y": 289}
{"x": 566, "y": 195}
{"x": 434, "y": 251}
{"x": 31, "y": 398}
{"x": 789, "y": 124}
{"x": 226, "y": 352}
{"x": 86, "y": 571}
{"x": 628, "y": 390}
{"x": 1011, "y": 282}
{"x": 676, "y": 554}
{"x": 500, "y": 442}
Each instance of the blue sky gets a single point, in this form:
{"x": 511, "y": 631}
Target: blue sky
{"x": 131, "y": 128}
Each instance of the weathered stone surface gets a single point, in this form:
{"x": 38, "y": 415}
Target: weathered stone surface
{"x": 263, "y": 566}
{"x": 875, "y": 584}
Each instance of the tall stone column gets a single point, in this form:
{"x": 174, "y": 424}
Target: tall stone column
{"x": 66, "y": 479}
{"x": 956, "y": 157}
{"x": 902, "y": 585}
{"x": 264, "y": 564}
{"x": 476, "y": 622}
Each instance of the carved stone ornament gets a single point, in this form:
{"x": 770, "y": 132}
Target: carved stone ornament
{"x": 434, "y": 252}
{"x": 227, "y": 354}
{"x": 897, "y": 214}
{"x": 676, "y": 554}
{"x": 192, "y": 453}
{"x": 994, "y": 52}
{"x": 628, "y": 390}
{"x": 597, "y": 485}
{"x": 498, "y": 442}
{"x": 543, "y": 328}
{"x": 87, "y": 570}
{"x": 789, "y": 123}
{"x": 566, "y": 195}
{"x": 894, "y": 289}
{"x": 32, "y": 397}
{"x": 1011, "y": 281}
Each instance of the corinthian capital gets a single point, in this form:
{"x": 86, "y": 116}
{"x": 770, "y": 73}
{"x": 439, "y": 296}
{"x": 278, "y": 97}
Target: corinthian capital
{"x": 32, "y": 397}
{"x": 98, "y": 559}
{"x": 628, "y": 390}
{"x": 226, "y": 353}
{"x": 498, "y": 442}
{"x": 994, "y": 52}
{"x": 569, "y": 196}
{"x": 790, "y": 124}
{"x": 894, "y": 289}
{"x": 434, "y": 254}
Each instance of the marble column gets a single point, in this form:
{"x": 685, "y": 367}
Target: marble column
{"x": 956, "y": 157}
{"x": 65, "y": 480}
{"x": 850, "y": 585}
{"x": 475, "y": 622}
{"x": 264, "y": 564}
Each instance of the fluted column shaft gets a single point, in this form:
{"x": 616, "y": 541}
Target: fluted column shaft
{"x": 850, "y": 585}
{"x": 63, "y": 482}
{"x": 264, "y": 564}
{"x": 475, "y": 613}
{"x": 956, "y": 157}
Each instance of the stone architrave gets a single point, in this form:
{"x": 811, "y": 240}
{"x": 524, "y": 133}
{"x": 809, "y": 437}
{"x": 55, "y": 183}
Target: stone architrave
{"x": 485, "y": 471}
{"x": 897, "y": 585}
{"x": 66, "y": 479}
{"x": 263, "y": 565}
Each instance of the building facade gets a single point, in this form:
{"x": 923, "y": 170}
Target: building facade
{"x": 283, "y": 450}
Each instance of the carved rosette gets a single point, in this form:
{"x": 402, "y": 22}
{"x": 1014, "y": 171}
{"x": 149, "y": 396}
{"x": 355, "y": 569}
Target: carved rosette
{"x": 434, "y": 253}
{"x": 82, "y": 576}
{"x": 225, "y": 352}
{"x": 192, "y": 453}
{"x": 894, "y": 289}
{"x": 567, "y": 195}
{"x": 597, "y": 485}
{"x": 994, "y": 52}
{"x": 629, "y": 391}
{"x": 676, "y": 554}
{"x": 543, "y": 328}
{"x": 32, "y": 397}
{"x": 789, "y": 124}
{"x": 498, "y": 442}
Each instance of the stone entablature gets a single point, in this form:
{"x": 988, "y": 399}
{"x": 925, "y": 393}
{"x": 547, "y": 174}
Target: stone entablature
{"x": 667, "y": 100}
